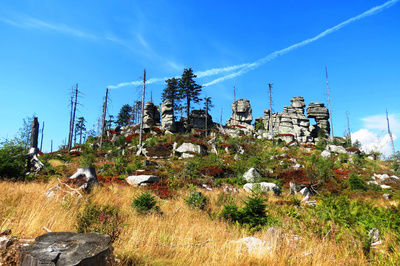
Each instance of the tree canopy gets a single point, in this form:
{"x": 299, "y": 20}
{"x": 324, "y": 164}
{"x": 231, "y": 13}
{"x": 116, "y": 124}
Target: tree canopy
{"x": 125, "y": 115}
{"x": 189, "y": 89}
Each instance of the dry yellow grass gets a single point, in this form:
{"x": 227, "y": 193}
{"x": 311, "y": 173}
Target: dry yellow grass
{"x": 177, "y": 237}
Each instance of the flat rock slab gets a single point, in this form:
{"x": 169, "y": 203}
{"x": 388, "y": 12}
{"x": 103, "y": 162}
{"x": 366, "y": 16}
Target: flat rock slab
{"x": 67, "y": 248}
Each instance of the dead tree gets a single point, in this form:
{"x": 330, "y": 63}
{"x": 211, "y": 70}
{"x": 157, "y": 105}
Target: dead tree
{"x": 41, "y": 138}
{"x": 142, "y": 110}
{"x": 329, "y": 100}
{"x": 390, "y": 132}
{"x": 270, "y": 128}
{"x": 348, "y": 126}
{"x": 74, "y": 102}
{"x": 103, "y": 119}
{"x": 34, "y": 135}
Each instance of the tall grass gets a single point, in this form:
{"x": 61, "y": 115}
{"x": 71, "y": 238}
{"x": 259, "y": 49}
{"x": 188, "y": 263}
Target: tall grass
{"x": 181, "y": 235}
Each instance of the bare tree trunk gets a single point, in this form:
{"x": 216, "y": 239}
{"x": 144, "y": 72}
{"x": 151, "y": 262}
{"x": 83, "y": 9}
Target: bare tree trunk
{"x": 34, "y": 133}
{"x": 142, "y": 110}
{"x": 103, "y": 119}
{"x": 73, "y": 119}
{"x": 41, "y": 140}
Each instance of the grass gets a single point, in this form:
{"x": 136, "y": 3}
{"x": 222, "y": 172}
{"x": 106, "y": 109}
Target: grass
{"x": 183, "y": 235}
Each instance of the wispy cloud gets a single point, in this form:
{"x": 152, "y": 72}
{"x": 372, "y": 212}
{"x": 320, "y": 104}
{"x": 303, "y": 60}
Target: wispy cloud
{"x": 27, "y": 22}
{"x": 273, "y": 55}
{"x": 246, "y": 67}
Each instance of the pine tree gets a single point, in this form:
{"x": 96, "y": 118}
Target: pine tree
{"x": 124, "y": 115}
{"x": 189, "y": 89}
{"x": 172, "y": 93}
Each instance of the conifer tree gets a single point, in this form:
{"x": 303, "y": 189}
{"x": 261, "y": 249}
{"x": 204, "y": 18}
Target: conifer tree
{"x": 189, "y": 89}
{"x": 124, "y": 115}
{"x": 172, "y": 93}
{"x": 80, "y": 129}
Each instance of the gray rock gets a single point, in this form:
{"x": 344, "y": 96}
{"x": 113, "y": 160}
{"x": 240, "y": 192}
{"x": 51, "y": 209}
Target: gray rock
{"x": 197, "y": 119}
{"x": 242, "y": 113}
{"x": 167, "y": 116}
{"x": 263, "y": 186}
{"x": 374, "y": 236}
{"x": 336, "y": 149}
{"x": 325, "y": 154}
{"x": 387, "y": 196}
{"x": 151, "y": 115}
{"x": 66, "y": 248}
{"x": 139, "y": 180}
{"x": 251, "y": 175}
{"x": 190, "y": 148}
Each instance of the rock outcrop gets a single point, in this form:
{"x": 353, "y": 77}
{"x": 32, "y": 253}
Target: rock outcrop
{"x": 167, "y": 116}
{"x": 197, "y": 119}
{"x": 242, "y": 113}
{"x": 293, "y": 124}
{"x": 320, "y": 113}
{"x": 151, "y": 115}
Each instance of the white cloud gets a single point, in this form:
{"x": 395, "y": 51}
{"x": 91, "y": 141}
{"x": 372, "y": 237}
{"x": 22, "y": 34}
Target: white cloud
{"x": 374, "y": 137}
{"x": 372, "y": 141}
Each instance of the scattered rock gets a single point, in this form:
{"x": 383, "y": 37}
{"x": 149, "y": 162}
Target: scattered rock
{"x": 251, "y": 175}
{"x": 374, "y": 237}
{"x": 140, "y": 180}
{"x": 66, "y": 248}
{"x": 387, "y": 196}
{"x": 385, "y": 186}
{"x": 336, "y": 149}
{"x": 230, "y": 189}
{"x": 325, "y": 154}
{"x": 263, "y": 186}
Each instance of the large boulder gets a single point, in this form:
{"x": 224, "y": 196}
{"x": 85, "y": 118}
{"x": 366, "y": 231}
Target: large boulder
{"x": 242, "y": 113}
{"x": 188, "y": 150}
{"x": 251, "y": 175}
{"x": 66, "y": 248}
{"x": 320, "y": 113}
{"x": 140, "y": 180}
{"x": 167, "y": 116}
{"x": 197, "y": 119}
{"x": 151, "y": 115}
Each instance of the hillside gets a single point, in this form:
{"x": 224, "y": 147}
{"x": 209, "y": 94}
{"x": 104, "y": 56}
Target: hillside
{"x": 350, "y": 193}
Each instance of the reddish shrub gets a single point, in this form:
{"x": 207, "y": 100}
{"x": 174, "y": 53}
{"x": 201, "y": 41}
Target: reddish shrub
{"x": 213, "y": 171}
{"x": 225, "y": 145}
{"x": 157, "y": 130}
{"x": 161, "y": 190}
{"x": 131, "y": 136}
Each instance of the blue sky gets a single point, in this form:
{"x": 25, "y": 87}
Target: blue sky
{"x": 45, "y": 49}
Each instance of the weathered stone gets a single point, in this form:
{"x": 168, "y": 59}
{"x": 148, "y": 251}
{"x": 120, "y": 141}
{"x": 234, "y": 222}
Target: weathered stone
{"x": 335, "y": 148}
{"x": 320, "y": 113}
{"x": 263, "y": 186}
{"x": 167, "y": 116}
{"x": 374, "y": 237}
{"x": 190, "y": 148}
{"x": 242, "y": 113}
{"x": 140, "y": 180}
{"x": 66, "y": 248}
{"x": 198, "y": 119}
{"x": 325, "y": 154}
{"x": 251, "y": 175}
{"x": 151, "y": 115}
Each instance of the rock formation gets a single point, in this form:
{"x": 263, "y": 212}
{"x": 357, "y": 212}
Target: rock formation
{"x": 242, "y": 114}
{"x": 167, "y": 116}
{"x": 151, "y": 115}
{"x": 292, "y": 123}
{"x": 197, "y": 119}
{"x": 320, "y": 113}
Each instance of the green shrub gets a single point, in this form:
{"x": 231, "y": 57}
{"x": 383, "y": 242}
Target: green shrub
{"x": 356, "y": 182}
{"x": 252, "y": 215}
{"x": 12, "y": 161}
{"x": 145, "y": 203}
{"x": 319, "y": 168}
{"x": 87, "y": 157}
{"x": 196, "y": 200}
{"x": 102, "y": 219}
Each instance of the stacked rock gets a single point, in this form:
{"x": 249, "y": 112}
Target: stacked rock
{"x": 242, "y": 113}
{"x": 320, "y": 113}
{"x": 198, "y": 119}
{"x": 151, "y": 115}
{"x": 167, "y": 116}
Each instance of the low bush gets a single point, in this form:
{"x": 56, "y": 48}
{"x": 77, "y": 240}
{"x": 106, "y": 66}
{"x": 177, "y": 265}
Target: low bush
{"x": 356, "y": 182}
{"x": 252, "y": 215}
{"x": 12, "y": 161}
{"x": 196, "y": 200}
{"x": 104, "y": 219}
{"x": 145, "y": 203}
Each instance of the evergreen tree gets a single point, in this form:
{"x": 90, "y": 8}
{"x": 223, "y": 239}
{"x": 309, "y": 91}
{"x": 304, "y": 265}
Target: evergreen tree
{"x": 189, "y": 89}
{"x": 208, "y": 104}
{"x": 124, "y": 115}
{"x": 172, "y": 93}
{"x": 80, "y": 129}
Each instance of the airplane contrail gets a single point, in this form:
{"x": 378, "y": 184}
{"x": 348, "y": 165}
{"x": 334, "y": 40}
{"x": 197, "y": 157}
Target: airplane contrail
{"x": 246, "y": 67}
{"x": 273, "y": 55}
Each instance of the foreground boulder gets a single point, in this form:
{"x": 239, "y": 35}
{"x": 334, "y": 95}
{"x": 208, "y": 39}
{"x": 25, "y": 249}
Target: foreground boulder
{"x": 251, "y": 175}
{"x": 188, "y": 150}
{"x": 66, "y": 248}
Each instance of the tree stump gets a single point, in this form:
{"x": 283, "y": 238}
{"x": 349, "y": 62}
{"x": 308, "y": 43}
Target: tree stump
{"x": 67, "y": 248}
